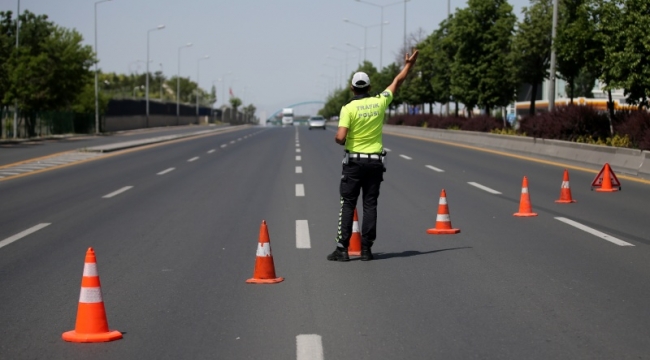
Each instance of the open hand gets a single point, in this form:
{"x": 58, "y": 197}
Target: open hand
{"x": 410, "y": 58}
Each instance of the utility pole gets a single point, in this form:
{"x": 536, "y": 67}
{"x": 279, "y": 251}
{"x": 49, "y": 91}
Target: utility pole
{"x": 551, "y": 82}
{"x": 17, "y": 45}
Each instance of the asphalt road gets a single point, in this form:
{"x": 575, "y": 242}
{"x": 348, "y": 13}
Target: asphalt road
{"x": 175, "y": 247}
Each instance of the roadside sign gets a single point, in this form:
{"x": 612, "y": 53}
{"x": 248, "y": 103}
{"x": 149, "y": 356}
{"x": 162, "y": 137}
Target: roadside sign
{"x": 598, "y": 181}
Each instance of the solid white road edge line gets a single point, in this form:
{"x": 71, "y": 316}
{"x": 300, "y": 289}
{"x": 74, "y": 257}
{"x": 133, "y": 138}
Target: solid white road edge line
{"x": 166, "y": 171}
{"x": 300, "y": 190}
{"x": 22, "y": 234}
{"x": 309, "y": 347}
{"x": 434, "y": 168}
{"x": 193, "y": 159}
{"x": 117, "y": 192}
{"x": 485, "y": 188}
{"x": 405, "y": 157}
{"x": 298, "y": 169}
{"x": 302, "y": 235}
{"x": 595, "y": 232}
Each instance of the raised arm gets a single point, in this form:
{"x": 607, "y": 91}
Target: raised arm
{"x": 409, "y": 61}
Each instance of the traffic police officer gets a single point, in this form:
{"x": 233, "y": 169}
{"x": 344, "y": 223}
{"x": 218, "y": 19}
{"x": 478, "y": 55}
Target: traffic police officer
{"x": 360, "y": 129}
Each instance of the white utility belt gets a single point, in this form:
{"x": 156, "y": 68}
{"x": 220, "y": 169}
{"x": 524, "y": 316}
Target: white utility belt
{"x": 365, "y": 156}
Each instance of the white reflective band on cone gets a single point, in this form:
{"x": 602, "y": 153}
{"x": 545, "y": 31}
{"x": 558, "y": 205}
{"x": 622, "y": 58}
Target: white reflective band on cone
{"x": 263, "y": 249}
{"x": 524, "y": 190}
{"x": 443, "y": 201}
{"x": 565, "y": 184}
{"x": 90, "y": 295}
{"x": 443, "y": 217}
{"x": 355, "y": 226}
{"x": 90, "y": 269}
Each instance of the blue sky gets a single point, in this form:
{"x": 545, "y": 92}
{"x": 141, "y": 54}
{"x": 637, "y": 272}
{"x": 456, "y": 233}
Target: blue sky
{"x": 273, "y": 53}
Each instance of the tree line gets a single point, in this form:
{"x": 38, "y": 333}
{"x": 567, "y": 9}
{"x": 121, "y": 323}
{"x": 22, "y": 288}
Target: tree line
{"x": 52, "y": 71}
{"x": 482, "y": 55}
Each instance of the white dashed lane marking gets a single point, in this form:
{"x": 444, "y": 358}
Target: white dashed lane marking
{"x": 406, "y": 157}
{"x": 166, "y": 171}
{"x": 297, "y": 150}
{"x": 298, "y": 157}
{"x": 303, "y": 240}
{"x": 388, "y": 150}
{"x": 232, "y": 142}
{"x": 223, "y": 145}
{"x": 435, "y": 168}
{"x": 193, "y": 159}
{"x": 484, "y": 188}
{"x": 22, "y": 234}
{"x": 298, "y": 169}
{"x": 595, "y": 232}
{"x": 211, "y": 151}
{"x": 309, "y": 347}
{"x": 114, "y": 193}
{"x": 300, "y": 190}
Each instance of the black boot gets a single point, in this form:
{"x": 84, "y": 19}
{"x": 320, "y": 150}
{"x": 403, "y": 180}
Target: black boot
{"x": 366, "y": 254}
{"x": 340, "y": 254}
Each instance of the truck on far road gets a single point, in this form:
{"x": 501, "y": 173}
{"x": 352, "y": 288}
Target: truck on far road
{"x": 287, "y": 116}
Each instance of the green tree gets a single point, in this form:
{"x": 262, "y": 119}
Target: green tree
{"x": 628, "y": 52}
{"x": 443, "y": 50}
{"x": 575, "y": 36}
{"x": 532, "y": 46}
{"x": 50, "y": 68}
{"x": 481, "y": 73}
{"x": 235, "y": 102}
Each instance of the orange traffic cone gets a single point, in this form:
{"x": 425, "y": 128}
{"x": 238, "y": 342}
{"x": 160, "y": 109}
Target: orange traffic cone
{"x": 565, "y": 190}
{"x": 92, "y": 325}
{"x": 264, "y": 268}
{"x": 443, "y": 222}
{"x": 355, "y": 239}
{"x": 607, "y": 180}
{"x": 525, "y": 208}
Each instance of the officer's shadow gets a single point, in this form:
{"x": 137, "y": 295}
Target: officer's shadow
{"x": 409, "y": 253}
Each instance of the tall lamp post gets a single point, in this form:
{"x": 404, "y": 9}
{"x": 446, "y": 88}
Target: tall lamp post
{"x": 17, "y": 45}
{"x": 346, "y": 58}
{"x": 159, "y": 27}
{"x": 381, "y": 36}
{"x": 96, "y": 71}
{"x": 551, "y": 80}
{"x": 365, "y": 33}
{"x": 197, "y": 81}
{"x": 178, "y": 83}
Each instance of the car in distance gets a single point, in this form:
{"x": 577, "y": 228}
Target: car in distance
{"x": 316, "y": 122}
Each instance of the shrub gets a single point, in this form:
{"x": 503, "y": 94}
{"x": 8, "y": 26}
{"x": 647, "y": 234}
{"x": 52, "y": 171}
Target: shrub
{"x": 567, "y": 123}
{"x": 634, "y": 125}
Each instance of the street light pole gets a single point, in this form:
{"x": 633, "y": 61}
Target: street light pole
{"x": 178, "y": 83}
{"x": 551, "y": 82}
{"x": 197, "y": 81}
{"x": 17, "y": 45}
{"x": 381, "y": 36}
{"x": 159, "y": 27}
{"x": 365, "y": 36}
{"x": 96, "y": 71}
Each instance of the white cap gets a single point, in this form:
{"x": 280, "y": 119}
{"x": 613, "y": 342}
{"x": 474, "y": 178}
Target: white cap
{"x": 360, "y": 80}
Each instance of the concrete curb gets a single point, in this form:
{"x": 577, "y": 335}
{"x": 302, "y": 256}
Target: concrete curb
{"x": 143, "y": 142}
{"x": 630, "y": 161}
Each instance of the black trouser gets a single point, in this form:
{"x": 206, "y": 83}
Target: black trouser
{"x": 357, "y": 175}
